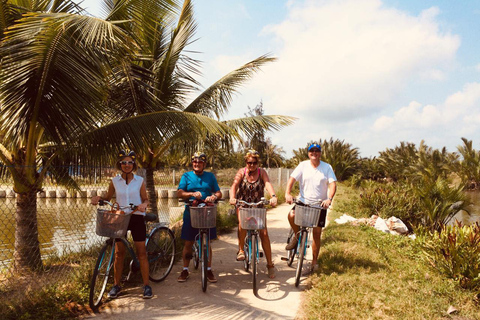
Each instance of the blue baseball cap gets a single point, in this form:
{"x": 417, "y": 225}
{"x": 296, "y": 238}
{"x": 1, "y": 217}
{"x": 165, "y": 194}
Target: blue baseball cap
{"x": 314, "y": 145}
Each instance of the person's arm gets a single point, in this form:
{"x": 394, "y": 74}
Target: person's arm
{"x": 288, "y": 195}
{"x": 217, "y": 194}
{"x": 332, "y": 189}
{"x": 143, "y": 195}
{"x": 269, "y": 187}
{"x": 108, "y": 196}
{"x": 235, "y": 185}
{"x": 188, "y": 194}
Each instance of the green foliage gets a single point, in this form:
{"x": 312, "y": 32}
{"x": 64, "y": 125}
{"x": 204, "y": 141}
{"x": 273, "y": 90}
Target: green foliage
{"x": 226, "y": 219}
{"x": 395, "y": 163}
{"x": 343, "y": 158}
{"x": 440, "y": 202}
{"x": 455, "y": 252}
{"x": 469, "y": 167}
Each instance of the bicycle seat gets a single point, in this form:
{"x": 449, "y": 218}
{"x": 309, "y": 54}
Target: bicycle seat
{"x": 150, "y": 217}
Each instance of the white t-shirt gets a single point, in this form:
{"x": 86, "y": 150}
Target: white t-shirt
{"x": 127, "y": 193}
{"x": 313, "y": 181}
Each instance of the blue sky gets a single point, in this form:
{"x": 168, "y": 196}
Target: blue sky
{"x": 370, "y": 72}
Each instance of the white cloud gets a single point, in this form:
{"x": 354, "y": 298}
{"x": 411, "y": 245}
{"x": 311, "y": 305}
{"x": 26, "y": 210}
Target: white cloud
{"x": 347, "y": 59}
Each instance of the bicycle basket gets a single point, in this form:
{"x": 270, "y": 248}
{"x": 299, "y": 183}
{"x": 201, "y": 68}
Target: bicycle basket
{"x": 203, "y": 217}
{"x": 307, "y": 216}
{"x": 111, "y": 224}
{"x": 252, "y": 218}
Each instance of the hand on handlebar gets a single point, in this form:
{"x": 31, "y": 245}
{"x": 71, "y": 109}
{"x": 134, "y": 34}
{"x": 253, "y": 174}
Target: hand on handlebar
{"x": 95, "y": 200}
{"x": 210, "y": 199}
{"x": 142, "y": 207}
{"x": 289, "y": 198}
{"x": 233, "y": 201}
{"x": 273, "y": 201}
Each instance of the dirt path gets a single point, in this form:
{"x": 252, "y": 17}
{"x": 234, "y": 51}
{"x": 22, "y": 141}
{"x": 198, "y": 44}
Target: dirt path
{"x": 231, "y": 297}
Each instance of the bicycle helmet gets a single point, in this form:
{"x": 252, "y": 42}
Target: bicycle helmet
{"x": 122, "y": 154}
{"x": 200, "y": 156}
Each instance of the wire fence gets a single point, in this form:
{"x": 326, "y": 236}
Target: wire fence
{"x": 65, "y": 220}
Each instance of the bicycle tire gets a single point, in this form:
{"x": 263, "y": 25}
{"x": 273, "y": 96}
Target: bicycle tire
{"x": 246, "y": 250}
{"x": 101, "y": 274}
{"x": 204, "y": 259}
{"x": 196, "y": 256}
{"x": 160, "y": 253}
{"x": 301, "y": 256}
{"x": 254, "y": 263}
{"x": 290, "y": 253}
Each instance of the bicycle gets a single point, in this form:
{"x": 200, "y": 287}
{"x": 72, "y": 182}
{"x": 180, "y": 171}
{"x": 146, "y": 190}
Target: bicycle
{"x": 252, "y": 219}
{"x": 160, "y": 245}
{"x": 203, "y": 217}
{"x": 306, "y": 217}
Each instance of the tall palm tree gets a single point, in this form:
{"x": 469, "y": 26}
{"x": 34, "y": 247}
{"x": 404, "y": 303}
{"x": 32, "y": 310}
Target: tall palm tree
{"x": 62, "y": 74}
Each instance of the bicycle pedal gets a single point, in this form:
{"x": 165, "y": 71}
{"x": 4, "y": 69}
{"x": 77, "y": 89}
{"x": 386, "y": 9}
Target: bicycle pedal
{"x": 260, "y": 254}
{"x": 284, "y": 258}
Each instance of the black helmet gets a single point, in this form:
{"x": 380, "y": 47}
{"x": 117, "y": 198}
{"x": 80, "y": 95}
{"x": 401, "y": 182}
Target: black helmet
{"x": 199, "y": 156}
{"x": 122, "y": 154}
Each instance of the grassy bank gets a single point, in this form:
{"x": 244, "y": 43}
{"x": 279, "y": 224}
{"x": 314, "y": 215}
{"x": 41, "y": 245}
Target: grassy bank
{"x": 367, "y": 274}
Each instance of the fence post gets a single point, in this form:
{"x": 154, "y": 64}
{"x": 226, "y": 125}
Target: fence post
{"x": 173, "y": 177}
{"x": 279, "y": 177}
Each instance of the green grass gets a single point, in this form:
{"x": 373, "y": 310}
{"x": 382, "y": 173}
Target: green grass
{"x": 366, "y": 274}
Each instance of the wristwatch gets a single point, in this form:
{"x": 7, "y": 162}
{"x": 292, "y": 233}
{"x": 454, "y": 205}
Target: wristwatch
{"x": 274, "y": 195}
{"x": 330, "y": 199}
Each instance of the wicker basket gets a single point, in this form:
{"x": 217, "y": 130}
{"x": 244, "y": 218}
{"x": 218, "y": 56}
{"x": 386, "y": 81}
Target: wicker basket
{"x": 307, "y": 216}
{"x": 111, "y": 224}
{"x": 203, "y": 217}
{"x": 252, "y": 218}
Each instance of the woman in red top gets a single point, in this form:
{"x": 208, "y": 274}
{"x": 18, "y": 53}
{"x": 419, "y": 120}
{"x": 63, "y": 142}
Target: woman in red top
{"x": 249, "y": 185}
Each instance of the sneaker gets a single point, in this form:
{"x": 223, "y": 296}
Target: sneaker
{"x": 292, "y": 244}
{"x": 210, "y": 276}
{"x": 114, "y": 292}
{"x": 183, "y": 276}
{"x": 147, "y": 292}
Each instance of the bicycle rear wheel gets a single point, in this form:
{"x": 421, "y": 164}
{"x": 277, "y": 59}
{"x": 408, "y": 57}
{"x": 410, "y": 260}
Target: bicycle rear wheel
{"x": 161, "y": 253}
{"x": 246, "y": 250}
{"x": 196, "y": 255}
{"x": 204, "y": 259}
{"x": 254, "y": 262}
{"x": 291, "y": 253}
{"x": 301, "y": 256}
{"x": 101, "y": 274}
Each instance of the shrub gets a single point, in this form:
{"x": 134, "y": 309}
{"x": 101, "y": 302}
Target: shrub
{"x": 455, "y": 252}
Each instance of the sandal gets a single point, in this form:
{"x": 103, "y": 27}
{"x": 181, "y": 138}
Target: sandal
{"x": 271, "y": 271}
{"x": 240, "y": 256}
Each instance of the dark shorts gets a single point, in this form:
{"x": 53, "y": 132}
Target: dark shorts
{"x": 137, "y": 228}
{"x": 189, "y": 233}
{"x": 321, "y": 220}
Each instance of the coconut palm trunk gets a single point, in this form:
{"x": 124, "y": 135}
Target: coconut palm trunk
{"x": 151, "y": 192}
{"x": 27, "y": 247}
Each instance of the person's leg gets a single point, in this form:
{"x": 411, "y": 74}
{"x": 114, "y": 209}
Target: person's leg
{"x": 317, "y": 235}
{"x": 118, "y": 264}
{"x": 142, "y": 258}
{"x": 268, "y": 251}
{"x": 241, "y": 241}
{"x": 187, "y": 253}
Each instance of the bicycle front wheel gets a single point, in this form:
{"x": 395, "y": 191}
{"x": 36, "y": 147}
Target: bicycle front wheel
{"x": 291, "y": 253}
{"x": 160, "y": 253}
{"x": 246, "y": 250}
{"x": 102, "y": 274}
{"x": 196, "y": 254}
{"x": 204, "y": 259}
{"x": 254, "y": 262}
{"x": 301, "y": 256}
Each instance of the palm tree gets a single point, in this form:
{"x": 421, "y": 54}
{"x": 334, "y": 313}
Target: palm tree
{"x": 344, "y": 159}
{"x": 468, "y": 167}
{"x": 273, "y": 154}
{"x": 62, "y": 80}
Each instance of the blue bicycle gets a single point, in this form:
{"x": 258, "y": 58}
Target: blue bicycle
{"x": 160, "y": 245}
{"x": 252, "y": 219}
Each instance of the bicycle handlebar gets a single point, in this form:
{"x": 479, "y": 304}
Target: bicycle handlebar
{"x": 252, "y": 204}
{"x": 106, "y": 202}
{"x": 318, "y": 202}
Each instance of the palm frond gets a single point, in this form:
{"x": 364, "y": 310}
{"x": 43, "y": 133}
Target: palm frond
{"x": 216, "y": 99}
{"x": 248, "y": 125}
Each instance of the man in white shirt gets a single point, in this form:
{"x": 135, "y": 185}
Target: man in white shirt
{"x": 317, "y": 182}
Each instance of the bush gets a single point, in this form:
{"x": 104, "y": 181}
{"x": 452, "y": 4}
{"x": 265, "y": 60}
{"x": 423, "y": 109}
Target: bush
{"x": 455, "y": 252}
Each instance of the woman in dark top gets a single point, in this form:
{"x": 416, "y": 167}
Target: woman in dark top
{"x": 249, "y": 185}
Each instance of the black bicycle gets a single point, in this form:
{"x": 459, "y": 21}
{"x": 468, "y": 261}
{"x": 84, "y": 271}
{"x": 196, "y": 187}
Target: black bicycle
{"x": 252, "y": 219}
{"x": 160, "y": 245}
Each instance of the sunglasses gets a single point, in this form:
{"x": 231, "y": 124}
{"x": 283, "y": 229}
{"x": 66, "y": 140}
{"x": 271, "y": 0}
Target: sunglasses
{"x": 314, "y": 150}
{"x": 127, "y": 162}
{"x": 252, "y": 162}
{"x": 196, "y": 161}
